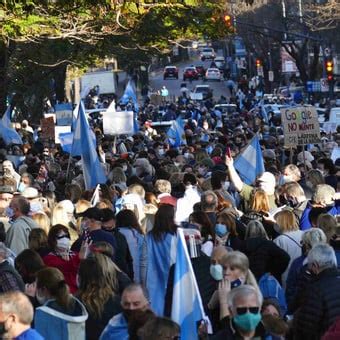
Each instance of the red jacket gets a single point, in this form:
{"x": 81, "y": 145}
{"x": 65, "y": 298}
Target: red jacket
{"x": 68, "y": 268}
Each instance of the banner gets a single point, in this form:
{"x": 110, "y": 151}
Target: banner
{"x": 118, "y": 123}
{"x": 64, "y": 114}
{"x": 300, "y": 126}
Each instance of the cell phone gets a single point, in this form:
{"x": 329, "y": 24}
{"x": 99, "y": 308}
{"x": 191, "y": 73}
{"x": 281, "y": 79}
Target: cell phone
{"x": 228, "y": 153}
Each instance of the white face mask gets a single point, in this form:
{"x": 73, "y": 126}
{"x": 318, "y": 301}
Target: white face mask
{"x": 226, "y": 185}
{"x": 186, "y": 154}
{"x": 161, "y": 152}
{"x": 64, "y": 243}
{"x": 125, "y": 168}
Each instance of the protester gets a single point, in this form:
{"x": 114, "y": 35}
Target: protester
{"x": 16, "y": 317}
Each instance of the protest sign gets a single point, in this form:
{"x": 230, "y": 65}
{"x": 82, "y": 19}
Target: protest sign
{"x": 329, "y": 127}
{"x": 47, "y": 128}
{"x": 300, "y": 126}
{"x": 64, "y": 114}
{"x": 118, "y": 123}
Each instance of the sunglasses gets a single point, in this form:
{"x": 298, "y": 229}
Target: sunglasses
{"x": 62, "y": 236}
{"x": 244, "y": 310}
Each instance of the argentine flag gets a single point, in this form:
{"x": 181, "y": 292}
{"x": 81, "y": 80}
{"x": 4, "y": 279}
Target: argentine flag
{"x": 249, "y": 163}
{"x": 8, "y": 134}
{"x": 130, "y": 92}
{"x": 84, "y": 146}
{"x": 176, "y": 133}
{"x": 187, "y": 308}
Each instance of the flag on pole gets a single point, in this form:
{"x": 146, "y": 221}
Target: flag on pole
{"x": 249, "y": 163}
{"x": 187, "y": 309}
{"x": 95, "y": 197}
{"x": 130, "y": 93}
{"x": 176, "y": 133}
{"x": 9, "y": 134}
{"x": 84, "y": 146}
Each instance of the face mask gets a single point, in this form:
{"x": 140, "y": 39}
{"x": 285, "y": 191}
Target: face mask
{"x": 216, "y": 271}
{"x": 2, "y": 328}
{"x": 201, "y": 171}
{"x": 21, "y": 187}
{"x": 220, "y": 229}
{"x": 64, "y": 243}
{"x": 161, "y": 152}
{"x": 40, "y": 298}
{"x": 226, "y": 185}
{"x": 125, "y": 168}
{"x": 186, "y": 154}
{"x": 248, "y": 321}
{"x": 9, "y": 212}
{"x": 83, "y": 226}
{"x": 235, "y": 283}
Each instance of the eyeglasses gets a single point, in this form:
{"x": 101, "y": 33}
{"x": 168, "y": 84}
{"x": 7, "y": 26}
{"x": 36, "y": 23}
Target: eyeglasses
{"x": 244, "y": 310}
{"x": 62, "y": 236}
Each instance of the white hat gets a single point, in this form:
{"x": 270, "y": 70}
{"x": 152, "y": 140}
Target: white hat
{"x": 309, "y": 157}
{"x": 30, "y": 193}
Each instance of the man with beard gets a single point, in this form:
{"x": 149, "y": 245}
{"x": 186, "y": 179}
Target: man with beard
{"x": 136, "y": 312}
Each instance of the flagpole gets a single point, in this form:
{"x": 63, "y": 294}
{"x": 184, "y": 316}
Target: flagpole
{"x": 68, "y": 167}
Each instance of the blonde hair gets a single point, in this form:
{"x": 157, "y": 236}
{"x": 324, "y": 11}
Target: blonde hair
{"x": 260, "y": 201}
{"x": 81, "y": 206}
{"x": 286, "y": 221}
{"x": 240, "y": 261}
{"x": 61, "y": 216}
{"x": 104, "y": 203}
{"x": 137, "y": 189}
{"x": 42, "y": 220}
{"x": 163, "y": 186}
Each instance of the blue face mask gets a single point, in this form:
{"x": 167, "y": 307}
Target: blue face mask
{"x": 235, "y": 283}
{"x": 216, "y": 271}
{"x": 21, "y": 187}
{"x": 220, "y": 229}
{"x": 248, "y": 321}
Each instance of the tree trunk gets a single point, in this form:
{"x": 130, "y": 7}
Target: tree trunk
{"x": 60, "y": 77}
{"x": 5, "y": 52}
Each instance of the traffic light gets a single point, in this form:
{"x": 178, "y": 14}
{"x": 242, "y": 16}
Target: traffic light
{"x": 228, "y": 20}
{"x": 329, "y": 69}
{"x": 258, "y": 63}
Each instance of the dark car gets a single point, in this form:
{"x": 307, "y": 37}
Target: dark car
{"x": 190, "y": 73}
{"x": 170, "y": 72}
{"x": 201, "y": 71}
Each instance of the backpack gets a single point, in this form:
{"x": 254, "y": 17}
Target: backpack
{"x": 271, "y": 289}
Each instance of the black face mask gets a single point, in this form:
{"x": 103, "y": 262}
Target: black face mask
{"x": 2, "y": 329}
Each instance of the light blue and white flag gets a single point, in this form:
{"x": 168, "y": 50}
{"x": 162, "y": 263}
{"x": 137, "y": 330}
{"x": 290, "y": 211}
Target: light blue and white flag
{"x": 66, "y": 140}
{"x": 130, "y": 93}
{"x": 249, "y": 163}
{"x": 176, "y": 133}
{"x": 9, "y": 134}
{"x": 161, "y": 255}
{"x": 84, "y": 146}
{"x": 187, "y": 307}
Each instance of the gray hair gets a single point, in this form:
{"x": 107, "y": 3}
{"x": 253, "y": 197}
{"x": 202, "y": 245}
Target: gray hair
{"x": 323, "y": 255}
{"x": 17, "y": 303}
{"x": 243, "y": 291}
{"x": 209, "y": 200}
{"x": 314, "y": 236}
{"x": 255, "y": 229}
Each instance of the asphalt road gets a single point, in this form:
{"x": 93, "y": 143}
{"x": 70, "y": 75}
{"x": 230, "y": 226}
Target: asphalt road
{"x": 173, "y": 85}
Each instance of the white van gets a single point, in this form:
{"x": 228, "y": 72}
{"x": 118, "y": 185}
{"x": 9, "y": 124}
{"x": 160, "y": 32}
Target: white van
{"x": 334, "y": 115}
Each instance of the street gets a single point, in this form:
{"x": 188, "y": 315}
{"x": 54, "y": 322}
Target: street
{"x": 173, "y": 85}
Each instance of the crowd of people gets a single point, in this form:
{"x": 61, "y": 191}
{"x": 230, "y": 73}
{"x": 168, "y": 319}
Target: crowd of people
{"x": 98, "y": 263}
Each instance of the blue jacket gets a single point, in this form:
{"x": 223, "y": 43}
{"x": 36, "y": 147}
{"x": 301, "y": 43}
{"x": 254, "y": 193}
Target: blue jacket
{"x": 55, "y": 325}
{"x": 29, "y": 334}
{"x": 304, "y": 220}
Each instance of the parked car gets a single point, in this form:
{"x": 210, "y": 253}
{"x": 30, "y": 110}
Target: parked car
{"x": 190, "y": 73}
{"x": 207, "y": 53}
{"x": 170, "y": 72}
{"x": 213, "y": 74}
{"x": 200, "y": 70}
{"x": 226, "y": 109}
{"x": 219, "y": 62}
{"x": 205, "y": 90}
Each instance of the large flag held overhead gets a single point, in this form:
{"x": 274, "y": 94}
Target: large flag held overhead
{"x": 9, "y": 134}
{"x": 249, "y": 163}
{"x": 84, "y": 146}
{"x": 176, "y": 133}
{"x": 187, "y": 308}
{"x": 130, "y": 93}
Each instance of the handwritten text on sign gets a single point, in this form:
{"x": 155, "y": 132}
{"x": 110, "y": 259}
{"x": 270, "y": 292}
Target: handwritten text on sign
{"x": 300, "y": 126}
